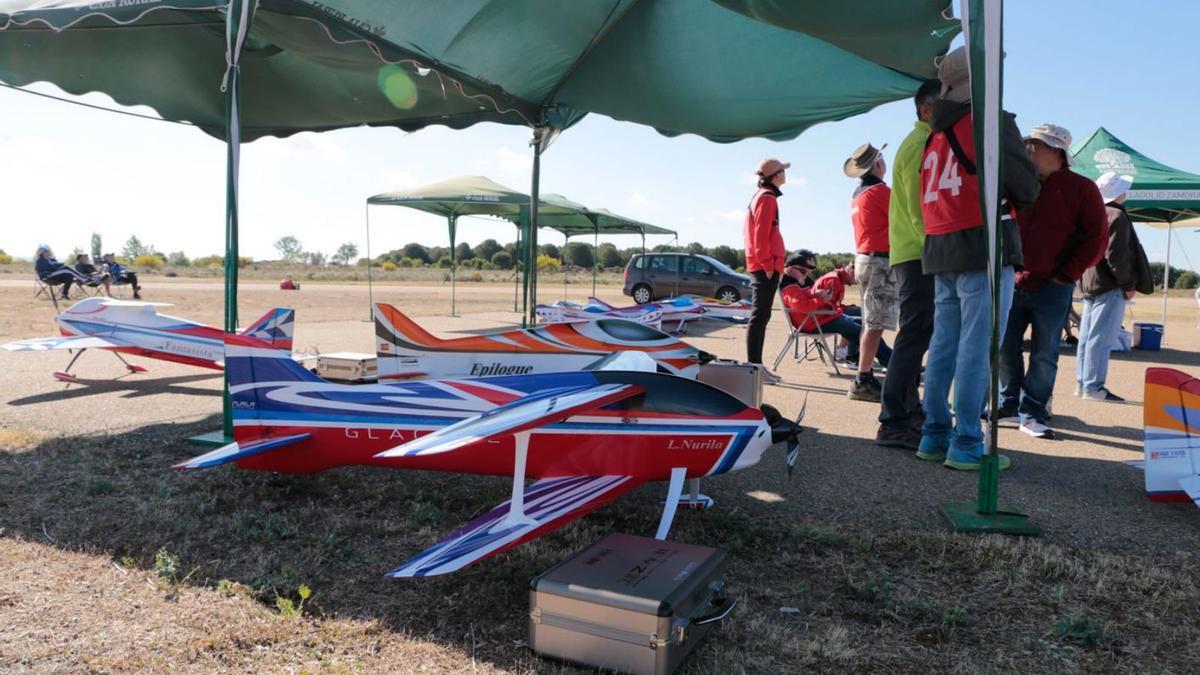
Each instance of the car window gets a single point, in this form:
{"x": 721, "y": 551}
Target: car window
{"x": 640, "y": 262}
{"x": 721, "y": 267}
{"x": 663, "y": 263}
{"x": 695, "y": 266}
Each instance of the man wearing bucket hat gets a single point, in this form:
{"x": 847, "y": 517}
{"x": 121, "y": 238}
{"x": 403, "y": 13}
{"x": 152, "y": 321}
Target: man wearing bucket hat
{"x": 765, "y": 256}
{"x": 876, "y": 282}
{"x": 956, "y": 252}
{"x": 1105, "y": 287}
{"x": 1062, "y": 234}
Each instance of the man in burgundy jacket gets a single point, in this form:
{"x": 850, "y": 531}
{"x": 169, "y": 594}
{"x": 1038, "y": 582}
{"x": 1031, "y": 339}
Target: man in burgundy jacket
{"x": 1063, "y": 233}
{"x": 765, "y": 256}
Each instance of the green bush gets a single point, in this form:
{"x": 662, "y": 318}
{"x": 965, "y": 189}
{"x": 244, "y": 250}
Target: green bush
{"x": 388, "y": 266}
{"x": 545, "y": 262}
{"x": 5, "y": 258}
{"x": 1188, "y": 279}
{"x": 502, "y": 260}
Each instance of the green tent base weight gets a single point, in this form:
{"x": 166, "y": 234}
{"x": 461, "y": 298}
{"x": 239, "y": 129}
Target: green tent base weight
{"x": 966, "y": 517}
{"x": 212, "y": 439}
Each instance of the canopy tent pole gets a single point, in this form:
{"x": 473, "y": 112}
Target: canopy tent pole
{"x": 983, "y": 28}
{"x": 562, "y": 260}
{"x": 370, "y": 282}
{"x": 595, "y": 256}
{"x": 452, "y": 222}
{"x": 643, "y": 242}
{"x": 517, "y": 268}
{"x": 1166, "y": 280}
{"x": 539, "y": 133}
{"x": 238, "y": 16}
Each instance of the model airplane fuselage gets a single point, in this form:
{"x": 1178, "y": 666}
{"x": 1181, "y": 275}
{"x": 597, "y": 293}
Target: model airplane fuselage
{"x": 564, "y": 311}
{"x": 136, "y": 328}
{"x": 586, "y": 436}
{"x": 406, "y": 351}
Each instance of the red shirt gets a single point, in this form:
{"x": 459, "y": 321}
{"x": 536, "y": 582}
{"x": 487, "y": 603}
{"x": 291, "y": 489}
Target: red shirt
{"x": 949, "y": 195}
{"x": 799, "y": 301}
{"x": 1064, "y": 232}
{"x": 869, "y": 214}
{"x": 764, "y": 243}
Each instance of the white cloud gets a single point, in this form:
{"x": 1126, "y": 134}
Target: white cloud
{"x": 734, "y": 215}
{"x": 510, "y": 161}
{"x": 639, "y": 199}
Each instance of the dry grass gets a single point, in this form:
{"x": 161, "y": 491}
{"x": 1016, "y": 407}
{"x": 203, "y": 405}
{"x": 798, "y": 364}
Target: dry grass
{"x": 99, "y": 541}
{"x": 110, "y": 562}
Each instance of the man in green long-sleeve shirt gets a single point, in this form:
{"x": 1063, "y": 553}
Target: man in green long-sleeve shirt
{"x": 900, "y": 414}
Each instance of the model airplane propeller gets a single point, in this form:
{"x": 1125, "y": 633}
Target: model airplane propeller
{"x": 405, "y": 350}
{"x": 134, "y": 327}
{"x": 586, "y": 437}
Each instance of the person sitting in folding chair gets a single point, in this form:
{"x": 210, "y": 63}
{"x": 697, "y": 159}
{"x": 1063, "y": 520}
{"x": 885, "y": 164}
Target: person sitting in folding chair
{"x": 84, "y": 266}
{"x": 122, "y": 276}
{"x": 825, "y": 295}
{"x": 52, "y": 273}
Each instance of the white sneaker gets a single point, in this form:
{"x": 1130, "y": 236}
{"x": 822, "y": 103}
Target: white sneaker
{"x": 1078, "y": 389}
{"x": 839, "y": 352}
{"x": 1037, "y": 429}
{"x": 1102, "y": 394}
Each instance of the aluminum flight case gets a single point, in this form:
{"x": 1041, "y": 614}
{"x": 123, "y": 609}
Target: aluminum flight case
{"x": 744, "y": 381}
{"x": 629, "y": 604}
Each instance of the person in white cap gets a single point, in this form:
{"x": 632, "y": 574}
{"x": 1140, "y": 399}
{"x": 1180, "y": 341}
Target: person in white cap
{"x": 1106, "y": 287}
{"x": 1062, "y": 234}
{"x": 765, "y": 256}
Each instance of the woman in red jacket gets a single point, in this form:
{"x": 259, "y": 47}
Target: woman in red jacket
{"x": 765, "y": 255}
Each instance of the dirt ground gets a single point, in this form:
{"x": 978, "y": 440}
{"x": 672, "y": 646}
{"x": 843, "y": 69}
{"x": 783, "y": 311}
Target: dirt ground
{"x": 109, "y": 561}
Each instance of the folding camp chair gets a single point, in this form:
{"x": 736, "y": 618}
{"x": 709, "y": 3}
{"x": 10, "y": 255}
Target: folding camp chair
{"x": 806, "y": 326}
{"x": 41, "y": 288}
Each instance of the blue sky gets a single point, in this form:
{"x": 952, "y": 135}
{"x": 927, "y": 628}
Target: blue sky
{"x": 68, "y": 171}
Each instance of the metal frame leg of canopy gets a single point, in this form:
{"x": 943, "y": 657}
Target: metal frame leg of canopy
{"x": 982, "y": 22}
{"x": 452, "y": 223}
{"x": 370, "y": 262}
{"x": 1166, "y": 281}
{"x": 238, "y": 18}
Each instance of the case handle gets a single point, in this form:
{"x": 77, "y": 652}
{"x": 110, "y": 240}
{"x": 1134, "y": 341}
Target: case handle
{"x": 722, "y": 611}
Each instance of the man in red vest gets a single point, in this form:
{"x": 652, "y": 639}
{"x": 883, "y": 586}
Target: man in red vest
{"x": 765, "y": 256}
{"x": 956, "y": 252}
{"x": 876, "y": 281}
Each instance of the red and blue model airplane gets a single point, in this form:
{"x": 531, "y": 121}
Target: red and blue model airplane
{"x": 136, "y": 328}
{"x": 587, "y": 437}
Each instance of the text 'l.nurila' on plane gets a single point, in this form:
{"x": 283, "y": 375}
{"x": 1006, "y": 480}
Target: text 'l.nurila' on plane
{"x": 587, "y": 437}
{"x": 133, "y": 327}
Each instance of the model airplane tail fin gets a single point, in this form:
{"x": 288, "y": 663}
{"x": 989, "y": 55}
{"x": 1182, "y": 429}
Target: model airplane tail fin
{"x": 275, "y": 327}
{"x": 403, "y": 334}
{"x": 250, "y": 361}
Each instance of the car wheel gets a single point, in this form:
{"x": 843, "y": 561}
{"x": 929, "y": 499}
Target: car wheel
{"x": 642, "y": 294}
{"x": 728, "y": 294}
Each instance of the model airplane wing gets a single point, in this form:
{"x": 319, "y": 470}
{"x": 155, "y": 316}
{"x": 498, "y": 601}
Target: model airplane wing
{"x": 235, "y": 451}
{"x": 73, "y": 342}
{"x": 520, "y": 415}
{"x": 1191, "y": 486}
{"x": 550, "y": 503}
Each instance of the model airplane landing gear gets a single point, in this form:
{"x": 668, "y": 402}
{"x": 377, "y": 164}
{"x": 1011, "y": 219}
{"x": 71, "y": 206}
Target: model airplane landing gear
{"x": 516, "y": 510}
{"x": 692, "y": 499}
{"x": 132, "y": 368}
{"x": 65, "y": 375}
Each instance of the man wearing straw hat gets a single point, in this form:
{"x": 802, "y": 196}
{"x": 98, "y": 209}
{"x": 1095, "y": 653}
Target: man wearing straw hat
{"x": 1105, "y": 287}
{"x": 876, "y": 282}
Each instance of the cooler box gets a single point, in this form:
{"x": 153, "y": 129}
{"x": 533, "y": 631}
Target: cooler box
{"x": 742, "y": 380}
{"x": 629, "y": 604}
{"x": 1147, "y": 336}
{"x": 345, "y": 366}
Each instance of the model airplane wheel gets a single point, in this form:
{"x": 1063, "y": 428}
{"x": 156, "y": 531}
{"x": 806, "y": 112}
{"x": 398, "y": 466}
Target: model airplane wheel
{"x": 63, "y": 376}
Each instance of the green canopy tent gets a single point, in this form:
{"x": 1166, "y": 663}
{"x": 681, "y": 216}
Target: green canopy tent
{"x": 290, "y": 65}
{"x": 479, "y": 196}
{"x": 1161, "y": 196}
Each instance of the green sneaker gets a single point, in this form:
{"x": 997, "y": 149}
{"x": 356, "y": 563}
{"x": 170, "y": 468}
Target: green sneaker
{"x": 1005, "y": 462}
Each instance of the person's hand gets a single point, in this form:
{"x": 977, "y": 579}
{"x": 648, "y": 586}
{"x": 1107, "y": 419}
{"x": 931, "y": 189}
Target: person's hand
{"x": 824, "y": 294}
{"x": 1129, "y": 294}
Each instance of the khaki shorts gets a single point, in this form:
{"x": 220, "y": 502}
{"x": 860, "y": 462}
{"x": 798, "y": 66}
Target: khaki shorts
{"x": 877, "y": 284}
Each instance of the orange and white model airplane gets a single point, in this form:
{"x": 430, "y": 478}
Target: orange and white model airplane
{"x": 1171, "y": 428}
{"x": 405, "y": 350}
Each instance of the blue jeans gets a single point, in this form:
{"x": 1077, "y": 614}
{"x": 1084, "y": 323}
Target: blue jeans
{"x": 1045, "y": 310}
{"x": 1098, "y": 326}
{"x": 958, "y": 354}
